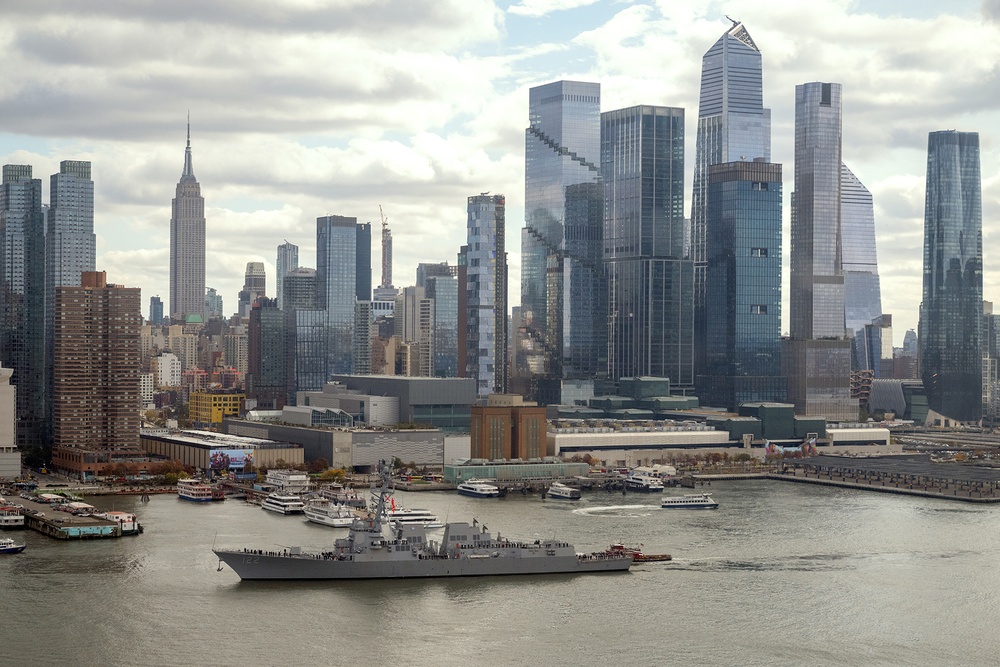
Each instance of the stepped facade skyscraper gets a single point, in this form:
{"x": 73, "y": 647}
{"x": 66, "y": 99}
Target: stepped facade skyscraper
{"x": 563, "y": 311}
{"x": 733, "y": 126}
{"x": 818, "y": 354}
{"x": 22, "y": 297}
{"x": 650, "y": 275}
{"x": 187, "y": 244}
{"x": 951, "y": 312}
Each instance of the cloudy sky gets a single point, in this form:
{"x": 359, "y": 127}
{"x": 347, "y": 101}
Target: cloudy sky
{"x": 303, "y": 108}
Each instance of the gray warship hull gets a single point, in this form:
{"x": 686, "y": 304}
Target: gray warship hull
{"x": 278, "y": 565}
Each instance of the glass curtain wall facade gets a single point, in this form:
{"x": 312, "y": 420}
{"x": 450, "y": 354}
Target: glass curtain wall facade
{"x": 287, "y": 260}
{"x": 733, "y": 125}
{"x": 266, "y": 355}
{"x": 187, "y": 244}
{"x": 22, "y": 298}
{"x": 862, "y": 292}
{"x": 443, "y": 291}
{"x": 819, "y": 358}
{"x": 337, "y": 284}
{"x": 743, "y": 298}
{"x": 650, "y": 278}
{"x": 563, "y": 321}
{"x": 952, "y": 308}
{"x": 486, "y": 284}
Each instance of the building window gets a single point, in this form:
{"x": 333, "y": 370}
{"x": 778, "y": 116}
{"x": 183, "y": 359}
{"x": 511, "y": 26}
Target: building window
{"x": 758, "y": 309}
{"x": 760, "y": 185}
{"x": 758, "y": 252}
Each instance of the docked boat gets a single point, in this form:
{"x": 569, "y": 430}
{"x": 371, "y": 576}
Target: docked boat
{"x": 8, "y": 546}
{"x": 691, "y": 501}
{"x": 642, "y": 482}
{"x": 11, "y": 516}
{"x": 478, "y": 488}
{"x": 375, "y": 549}
{"x": 283, "y": 504}
{"x": 329, "y": 513}
{"x": 410, "y": 517}
{"x": 198, "y": 491}
{"x": 127, "y": 522}
{"x": 637, "y": 555}
{"x": 563, "y": 491}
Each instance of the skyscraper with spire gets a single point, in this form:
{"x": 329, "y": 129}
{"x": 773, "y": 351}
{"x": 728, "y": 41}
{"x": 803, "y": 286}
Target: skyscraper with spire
{"x": 733, "y": 126}
{"x": 187, "y": 244}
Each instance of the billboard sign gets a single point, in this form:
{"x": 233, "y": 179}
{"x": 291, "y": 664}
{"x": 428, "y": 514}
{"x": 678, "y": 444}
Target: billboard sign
{"x": 230, "y": 459}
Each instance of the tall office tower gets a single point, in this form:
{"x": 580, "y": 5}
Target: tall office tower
{"x": 443, "y": 293}
{"x": 818, "y": 357}
{"x": 874, "y": 345}
{"x": 413, "y": 325}
{"x": 743, "y": 285}
{"x": 187, "y": 244}
{"x": 733, "y": 126}
{"x": 563, "y": 309}
{"x": 386, "y": 254}
{"x": 70, "y": 249}
{"x": 254, "y": 287}
{"x": 362, "y": 347}
{"x": 363, "y": 266}
{"x": 952, "y": 308}
{"x": 155, "y": 310}
{"x": 96, "y": 397}
{"x": 427, "y": 270}
{"x": 486, "y": 304}
{"x": 22, "y": 298}
{"x": 305, "y": 334}
{"x": 266, "y": 375}
{"x": 650, "y": 277}
{"x": 287, "y": 260}
{"x": 340, "y": 281}
{"x": 862, "y": 292}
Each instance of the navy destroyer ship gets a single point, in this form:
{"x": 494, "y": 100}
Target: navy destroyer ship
{"x": 377, "y": 548}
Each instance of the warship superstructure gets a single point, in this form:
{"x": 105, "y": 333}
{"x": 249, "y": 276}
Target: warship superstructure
{"x": 376, "y": 548}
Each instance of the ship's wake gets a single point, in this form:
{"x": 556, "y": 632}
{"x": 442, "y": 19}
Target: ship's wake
{"x": 617, "y": 510}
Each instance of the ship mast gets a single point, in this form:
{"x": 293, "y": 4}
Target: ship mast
{"x": 384, "y": 489}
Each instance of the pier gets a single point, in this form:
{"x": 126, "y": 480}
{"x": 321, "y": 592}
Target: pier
{"x": 908, "y": 475}
{"x": 42, "y": 518}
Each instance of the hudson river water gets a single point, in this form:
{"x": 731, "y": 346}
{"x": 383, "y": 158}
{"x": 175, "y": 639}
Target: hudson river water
{"x": 780, "y": 574}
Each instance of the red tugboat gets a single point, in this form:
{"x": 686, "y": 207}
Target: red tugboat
{"x": 637, "y": 555}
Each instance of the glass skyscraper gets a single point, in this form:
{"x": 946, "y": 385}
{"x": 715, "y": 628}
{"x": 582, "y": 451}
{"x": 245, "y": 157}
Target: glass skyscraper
{"x": 650, "y": 278}
{"x": 733, "y": 125}
{"x": 818, "y": 358}
{"x": 862, "y": 292}
{"x": 443, "y": 291}
{"x": 486, "y": 281}
{"x": 743, "y": 297}
{"x": 287, "y": 260}
{"x": 952, "y": 307}
{"x": 338, "y": 285}
{"x": 562, "y": 279}
{"x": 22, "y": 297}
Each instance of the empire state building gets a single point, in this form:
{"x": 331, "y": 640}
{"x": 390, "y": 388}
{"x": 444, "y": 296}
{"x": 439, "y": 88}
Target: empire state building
{"x": 187, "y": 245}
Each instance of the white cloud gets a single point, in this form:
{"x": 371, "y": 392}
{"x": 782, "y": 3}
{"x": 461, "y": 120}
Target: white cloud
{"x": 538, "y": 8}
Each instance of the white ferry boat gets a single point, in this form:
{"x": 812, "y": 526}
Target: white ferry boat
{"x": 563, "y": 491}
{"x": 328, "y": 513}
{"x": 413, "y": 517}
{"x": 691, "y": 501}
{"x": 644, "y": 482}
{"x": 478, "y": 488}
{"x": 127, "y": 521}
{"x": 7, "y": 546}
{"x": 198, "y": 491}
{"x": 283, "y": 504}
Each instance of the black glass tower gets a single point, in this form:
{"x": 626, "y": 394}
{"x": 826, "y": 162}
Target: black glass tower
{"x": 952, "y": 307}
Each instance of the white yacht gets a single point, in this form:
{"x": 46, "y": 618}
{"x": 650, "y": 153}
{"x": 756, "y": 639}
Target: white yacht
{"x": 413, "y": 517}
{"x": 329, "y": 513}
{"x": 691, "y": 501}
{"x": 644, "y": 482}
{"x": 563, "y": 491}
{"x": 478, "y": 488}
{"x": 283, "y": 504}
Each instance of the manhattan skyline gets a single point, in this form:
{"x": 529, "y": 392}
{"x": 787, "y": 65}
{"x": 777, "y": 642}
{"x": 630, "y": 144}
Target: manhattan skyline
{"x": 414, "y": 106}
